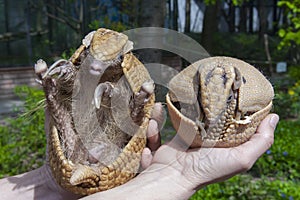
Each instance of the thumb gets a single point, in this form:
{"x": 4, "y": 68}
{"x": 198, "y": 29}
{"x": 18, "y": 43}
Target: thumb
{"x": 268, "y": 124}
{"x": 262, "y": 140}
{"x": 265, "y": 131}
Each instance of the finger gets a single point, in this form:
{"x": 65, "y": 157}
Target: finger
{"x": 146, "y": 158}
{"x": 264, "y": 136}
{"x": 153, "y": 136}
{"x": 158, "y": 114}
{"x": 260, "y": 142}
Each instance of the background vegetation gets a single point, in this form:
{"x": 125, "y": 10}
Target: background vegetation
{"x": 276, "y": 175}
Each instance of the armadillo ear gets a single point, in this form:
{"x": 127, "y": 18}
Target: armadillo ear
{"x": 87, "y": 39}
{"x": 256, "y": 92}
{"x": 238, "y": 79}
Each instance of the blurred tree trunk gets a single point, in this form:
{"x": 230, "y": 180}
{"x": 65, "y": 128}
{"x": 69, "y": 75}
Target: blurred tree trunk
{"x": 275, "y": 17}
{"x": 50, "y": 24}
{"x": 6, "y": 24}
{"x": 152, "y": 14}
{"x": 231, "y": 17}
{"x": 175, "y": 15}
{"x": 187, "y": 25}
{"x": 263, "y": 21}
{"x": 86, "y": 17}
{"x": 243, "y": 18}
{"x": 250, "y": 16}
{"x": 210, "y": 25}
{"x": 131, "y": 9}
{"x": 169, "y": 13}
{"x": 39, "y": 15}
{"x": 28, "y": 29}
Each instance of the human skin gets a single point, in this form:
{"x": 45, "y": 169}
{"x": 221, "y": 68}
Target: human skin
{"x": 173, "y": 172}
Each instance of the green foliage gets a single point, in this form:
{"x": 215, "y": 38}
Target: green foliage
{"x": 292, "y": 32}
{"x": 68, "y": 53}
{"x": 294, "y": 72}
{"x": 107, "y": 23}
{"x": 287, "y": 100}
{"x": 247, "y": 187}
{"x": 282, "y": 159}
{"x": 22, "y": 139}
{"x": 246, "y": 47}
{"x": 210, "y": 2}
{"x": 286, "y": 104}
{"x": 276, "y": 175}
{"x": 234, "y": 2}
{"x": 294, "y": 93}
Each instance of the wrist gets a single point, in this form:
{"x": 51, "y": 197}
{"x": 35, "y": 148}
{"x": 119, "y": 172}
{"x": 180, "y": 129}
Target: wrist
{"x": 167, "y": 180}
{"x": 36, "y": 184}
{"x": 156, "y": 182}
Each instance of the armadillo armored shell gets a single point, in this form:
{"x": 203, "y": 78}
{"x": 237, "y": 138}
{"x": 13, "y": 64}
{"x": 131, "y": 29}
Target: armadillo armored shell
{"x": 74, "y": 165}
{"x": 218, "y": 102}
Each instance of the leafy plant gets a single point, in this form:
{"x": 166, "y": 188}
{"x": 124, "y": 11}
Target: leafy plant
{"x": 294, "y": 72}
{"x": 68, "y": 53}
{"x": 212, "y": 2}
{"x": 246, "y": 187}
{"x": 291, "y": 33}
{"x": 286, "y": 106}
{"x": 22, "y": 140}
{"x": 287, "y": 100}
{"x": 107, "y": 23}
{"x": 282, "y": 159}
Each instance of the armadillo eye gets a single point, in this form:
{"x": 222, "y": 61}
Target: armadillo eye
{"x": 229, "y": 99}
{"x": 244, "y": 80}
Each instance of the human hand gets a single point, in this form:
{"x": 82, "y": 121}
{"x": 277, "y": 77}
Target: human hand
{"x": 202, "y": 166}
{"x": 175, "y": 172}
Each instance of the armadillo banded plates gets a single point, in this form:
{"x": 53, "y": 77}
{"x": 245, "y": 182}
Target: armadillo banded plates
{"x": 89, "y": 154}
{"x": 218, "y": 102}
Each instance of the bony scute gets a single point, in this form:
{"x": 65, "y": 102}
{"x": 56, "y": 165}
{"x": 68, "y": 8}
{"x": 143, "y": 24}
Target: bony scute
{"x": 220, "y": 101}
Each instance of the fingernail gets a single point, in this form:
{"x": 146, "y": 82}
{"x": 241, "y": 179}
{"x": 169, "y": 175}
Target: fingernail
{"x": 273, "y": 121}
{"x": 146, "y": 151}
